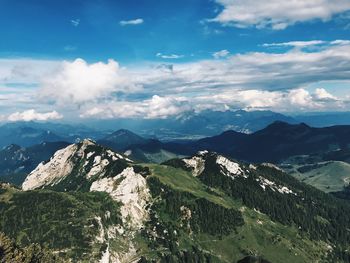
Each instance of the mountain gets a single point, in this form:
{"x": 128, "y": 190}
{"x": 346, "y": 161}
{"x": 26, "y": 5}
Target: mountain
{"x": 214, "y": 122}
{"x": 282, "y": 140}
{"x": 91, "y": 204}
{"x": 122, "y": 140}
{"x": 195, "y": 125}
{"x": 17, "y": 162}
{"x": 25, "y": 135}
{"x": 324, "y": 119}
{"x": 189, "y": 126}
{"x": 30, "y": 133}
{"x": 277, "y": 142}
{"x": 137, "y": 147}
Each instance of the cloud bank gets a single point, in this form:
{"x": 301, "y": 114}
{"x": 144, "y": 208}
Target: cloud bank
{"x": 279, "y": 81}
{"x": 276, "y": 14}
{"x": 33, "y": 115}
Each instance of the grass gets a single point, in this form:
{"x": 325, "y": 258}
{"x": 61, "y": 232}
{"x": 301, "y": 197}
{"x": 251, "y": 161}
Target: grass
{"x": 160, "y": 156}
{"x": 181, "y": 180}
{"x": 258, "y": 236}
{"x": 332, "y": 176}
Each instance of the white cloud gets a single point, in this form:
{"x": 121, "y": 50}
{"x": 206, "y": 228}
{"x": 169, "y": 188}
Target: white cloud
{"x": 295, "y": 43}
{"x": 255, "y": 70}
{"x": 79, "y": 82}
{"x": 306, "y": 44}
{"x": 155, "y": 107}
{"x": 282, "y": 101}
{"x": 340, "y": 42}
{"x": 276, "y": 14}
{"x": 281, "y": 81}
{"x": 137, "y": 21}
{"x": 322, "y": 94}
{"x": 24, "y": 70}
{"x": 300, "y": 97}
{"x": 171, "y": 56}
{"x": 75, "y": 22}
{"x": 32, "y": 115}
{"x": 221, "y": 54}
{"x": 162, "y": 107}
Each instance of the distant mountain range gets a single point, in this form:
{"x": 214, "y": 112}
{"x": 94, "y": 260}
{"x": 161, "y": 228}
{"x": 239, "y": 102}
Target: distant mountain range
{"x": 324, "y": 119}
{"x": 16, "y": 162}
{"x": 188, "y": 126}
{"x": 274, "y": 143}
{"x": 31, "y": 133}
{"x": 277, "y": 141}
{"x": 192, "y": 125}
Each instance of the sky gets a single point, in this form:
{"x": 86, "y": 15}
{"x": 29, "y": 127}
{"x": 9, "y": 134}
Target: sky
{"x": 83, "y": 59}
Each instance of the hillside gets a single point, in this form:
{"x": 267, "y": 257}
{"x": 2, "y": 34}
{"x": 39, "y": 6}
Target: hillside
{"x": 205, "y": 207}
{"x": 328, "y": 176}
{"x": 11, "y": 252}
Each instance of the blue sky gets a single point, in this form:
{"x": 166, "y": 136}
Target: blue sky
{"x": 158, "y": 59}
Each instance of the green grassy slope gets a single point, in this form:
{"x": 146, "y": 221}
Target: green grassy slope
{"x": 329, "y": 176}
{"x": 258, "y": 236}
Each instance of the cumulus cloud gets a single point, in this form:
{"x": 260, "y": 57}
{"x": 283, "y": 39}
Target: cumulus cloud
{"x": 221, "y": 54}
{"x": 137, "y": 21}
{"x": 281, "y": 101}
{"x": 322, "y": 94}
{"x": 155, "y": 107}
{"x": 32, "y": 115}
{"x": 162, "y": 107}
{"x": 79, "y": 82}
{"x": 293, "y": 100}
{"x": 276, "y": 14}
{"x": 280, "y": 81}
{"x": 301, "y": 97}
